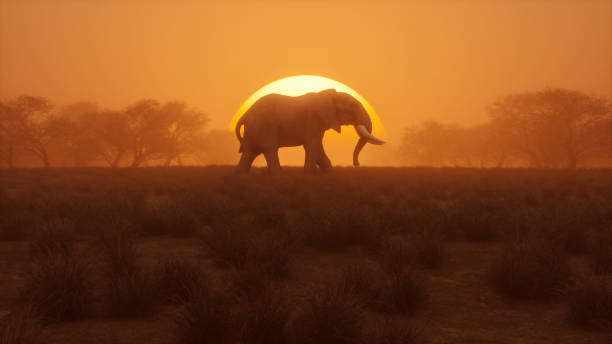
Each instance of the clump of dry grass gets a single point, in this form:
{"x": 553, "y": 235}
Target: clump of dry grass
{"x": 15, "y": 225}
{"x": 403, "y": 293}
{"x": 600, "y": 252}
{"x": 589, "y": 301}
{"x": 385, "y": 332}
{"x": 131, "y": 291}
{"x": 330, "y": 317}
{"x": 205, "y": 318}
{"x": 228, "y": 246}
{"x": 239, "y": 248}
{"x": 395, "y": 255}
{"x": 428, "y": 248}
{"x": 268, "y": 320}
{"x": 529, "y": 269}
{"x": 176, "y": 280}
{"x": 361, "y": 282}
{"x": 334, "y": 228}
{"x": 20, "y": 327}
{"x": 172, "y": 217}
{"x": 57, "y": 286}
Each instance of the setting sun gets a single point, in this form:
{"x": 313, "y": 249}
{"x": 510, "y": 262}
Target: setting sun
{"x": 302, "y": 84}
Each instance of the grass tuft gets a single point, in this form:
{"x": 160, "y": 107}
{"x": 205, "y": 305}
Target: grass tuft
{"x": 529, "y": 269}
{"x": 589, "y": 301}
{"x": 20, "y": 327}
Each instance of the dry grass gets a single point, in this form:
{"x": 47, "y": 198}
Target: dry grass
{"x": 57, "y": 286}
{"x": 131, "y": 289}
{"x": 330, "y": 317}
{"x": 391, "y": 227}
{"x": 205, "y": 318}
{"x": 21, "y": 327}
{"x": 530, "y": 269}
{"x": 589, "y": 301}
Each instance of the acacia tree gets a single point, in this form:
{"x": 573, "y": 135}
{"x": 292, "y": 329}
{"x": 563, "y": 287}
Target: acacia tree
{"x": 80, "y": 142}
{"x": 32, "y": 125}
{"x": 552, "y": 126}
{"x": 183, "y": 133}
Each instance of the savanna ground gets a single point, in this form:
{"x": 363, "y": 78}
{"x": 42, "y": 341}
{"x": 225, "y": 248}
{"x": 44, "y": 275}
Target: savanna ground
{"x": 368, "y": 255}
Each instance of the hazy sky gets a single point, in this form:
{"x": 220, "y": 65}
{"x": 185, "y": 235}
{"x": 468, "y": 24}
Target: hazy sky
{"x": 412, "y": 60}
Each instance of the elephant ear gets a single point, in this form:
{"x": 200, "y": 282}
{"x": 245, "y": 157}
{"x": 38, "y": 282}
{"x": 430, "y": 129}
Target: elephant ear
{"x": 324, "y": 109}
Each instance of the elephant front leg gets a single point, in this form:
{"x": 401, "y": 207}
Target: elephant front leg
{"x": 323, "y": 161}
{"x": 312, "y": 150}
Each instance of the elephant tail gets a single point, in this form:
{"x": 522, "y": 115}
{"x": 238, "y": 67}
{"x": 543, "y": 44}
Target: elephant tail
{"x": 239, "y": 124}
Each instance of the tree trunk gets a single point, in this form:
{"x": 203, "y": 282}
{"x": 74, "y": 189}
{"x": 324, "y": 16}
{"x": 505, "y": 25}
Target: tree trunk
{"x": 9, "y": 157}
{"x": 117, "y": 159}
{"x": 45, "y": 158}
{"x": 572, "y": 160}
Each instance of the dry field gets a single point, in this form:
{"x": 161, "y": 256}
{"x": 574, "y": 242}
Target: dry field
{"x": 368, "y": 255}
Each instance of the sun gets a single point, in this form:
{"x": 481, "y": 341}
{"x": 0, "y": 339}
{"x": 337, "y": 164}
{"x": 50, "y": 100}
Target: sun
{"x": 302, "y": 84}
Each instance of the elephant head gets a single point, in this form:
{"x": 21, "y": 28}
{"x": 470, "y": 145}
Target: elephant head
{"x": 339, "y": 108}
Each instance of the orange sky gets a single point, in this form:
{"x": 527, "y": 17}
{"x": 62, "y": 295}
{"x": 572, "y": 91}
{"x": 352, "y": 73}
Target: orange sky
{"x": 412, "y": 60}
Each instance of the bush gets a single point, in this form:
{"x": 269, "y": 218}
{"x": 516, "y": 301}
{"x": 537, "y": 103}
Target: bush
{"x": 600, "y": 253}
{"x": 205, "y": 318}
{"x": 268, "y": 320}
{"x": 177, "y": 280}
{"x": 529, "y": 269}
{"x": 131, "y": 290}
{"x": 389, "y": 333}
{"x": 330, "y": 317}
{"x": 361, "y": 282}
{"x": 15, "y": 225}
{"x": 20, "y": 327}
{"x": 227, "y": 246}
{"x": 54, "y": 238}
{"x": 589, "y": 301}
{"x": 428, "y": 249}
{"x": 172, "y": 217}
{"x": 395, "y": 256}
{"x": 57, "y": 286}
{"x": 403, "y": 293}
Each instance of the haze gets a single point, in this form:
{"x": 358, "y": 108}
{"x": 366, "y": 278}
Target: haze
{"x": 413, "y": 61}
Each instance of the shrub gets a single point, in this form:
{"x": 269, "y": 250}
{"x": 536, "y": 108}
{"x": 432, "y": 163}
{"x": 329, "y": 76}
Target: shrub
{"x": 330, "y": 317}
{"x": 177, "y": 280}
{"x": 337, "y": 228}
{"x": 131, "y": 290}
{"x": 57, "y": 286}
{"x": 205, "y": 318}
{"x": 589, "y": 301}
{"x": 268, "y": 320}
{"x": 600, "y": 253}
{"x": 361, "y": 282}
{"x": 227, "y": 246}
{"x": 15, "y": 225}
{"x": 395, "y": 255}
{"x": 20, "y": 327}
{"x": 428, "y": 249}
{"x": 54, "y": 238}
{"x": 389, "y": 333}
{"x": 172, "y": 217}
{"x": 529, "y": 269}
{"x": 403, "y": 293}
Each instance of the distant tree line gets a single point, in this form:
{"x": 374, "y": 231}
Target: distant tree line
{"x": 33, "y": 132}
{"x": 549, "y": 128}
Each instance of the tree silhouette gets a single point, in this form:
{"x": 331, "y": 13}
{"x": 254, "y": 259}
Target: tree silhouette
{"x": 552, "y": 126}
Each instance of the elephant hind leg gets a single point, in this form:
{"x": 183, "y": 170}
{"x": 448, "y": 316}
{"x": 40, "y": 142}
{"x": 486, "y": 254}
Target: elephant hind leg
{"x": 272, "y": 161}
{"x": 246, "y": 160}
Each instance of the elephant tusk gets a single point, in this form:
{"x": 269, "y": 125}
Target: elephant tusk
{"x": 363, "y": 132}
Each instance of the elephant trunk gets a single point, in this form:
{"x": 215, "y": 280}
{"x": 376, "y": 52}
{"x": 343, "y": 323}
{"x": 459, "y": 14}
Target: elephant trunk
{"x": 365, "y": 135}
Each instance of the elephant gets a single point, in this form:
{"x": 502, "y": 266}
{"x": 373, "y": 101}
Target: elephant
{"x": 275, "y": 121}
